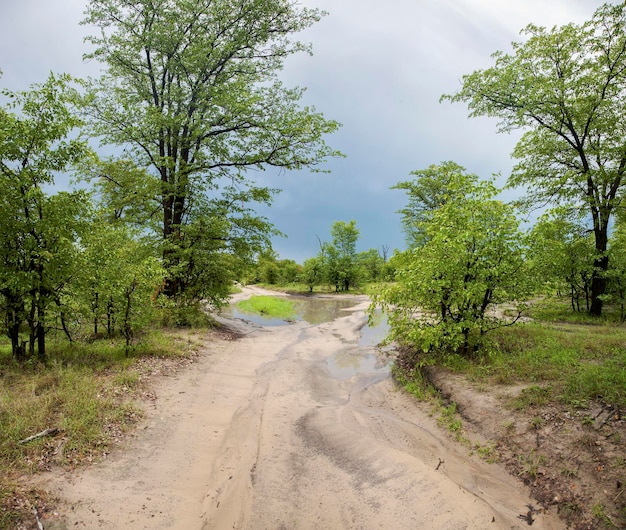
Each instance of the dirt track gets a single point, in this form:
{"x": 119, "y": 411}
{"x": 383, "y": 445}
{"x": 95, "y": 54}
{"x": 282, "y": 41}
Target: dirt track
{"x": 258, "y": 434}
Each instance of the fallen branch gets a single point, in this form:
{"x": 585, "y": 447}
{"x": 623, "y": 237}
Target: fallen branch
{"x": 47, "y": 432}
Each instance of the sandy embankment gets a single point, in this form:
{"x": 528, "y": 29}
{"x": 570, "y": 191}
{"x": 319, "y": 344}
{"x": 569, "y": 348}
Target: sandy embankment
{"x": 258, "y": 434}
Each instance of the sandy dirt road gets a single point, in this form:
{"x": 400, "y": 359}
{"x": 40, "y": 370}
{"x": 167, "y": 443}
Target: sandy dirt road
{"x": 259, "y": 434}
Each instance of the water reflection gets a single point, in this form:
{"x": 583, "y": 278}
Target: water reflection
{"x": 319, "y": 310}
{"x": 348, "y": 363}
{"x": 345, "y": 363}
{"x": 255, "y": 318}
{"x": 312, "y": 310}
{"x": 375, "y": 331}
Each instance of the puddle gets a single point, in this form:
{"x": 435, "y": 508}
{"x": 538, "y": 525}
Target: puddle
{"x": 255, "y": 318}
{"x": 319, "y": 310}
{"x": 348, "y": 363}
{"x": 312, "y": 310}
{"x": 373, "y": 334}
{"x": 343, "y": 364}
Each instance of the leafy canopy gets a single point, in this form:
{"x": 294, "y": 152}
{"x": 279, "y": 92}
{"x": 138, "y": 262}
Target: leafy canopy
{"x": 38, "y": 230}
{"x": 429, "y": 189}
{"x": 566, "y": 88}
{"x": 472, "y": 259}
{"x": 191, "y": 91}
{"x": 340, "y": 257}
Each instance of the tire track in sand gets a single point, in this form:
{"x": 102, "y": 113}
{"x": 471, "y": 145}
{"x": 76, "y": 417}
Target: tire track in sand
{"x": 259, "y": 435}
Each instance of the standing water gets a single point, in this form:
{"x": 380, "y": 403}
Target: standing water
{"x": 366, "y": 358}
{"x": 361, "y": 358}
{"x": 312, "y": 310}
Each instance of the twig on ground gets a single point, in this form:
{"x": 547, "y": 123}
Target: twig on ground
{"x": 47, "y": 432}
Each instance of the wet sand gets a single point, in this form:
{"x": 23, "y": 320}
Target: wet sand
{"x": 291, "y": 427}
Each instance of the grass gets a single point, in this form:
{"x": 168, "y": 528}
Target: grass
{"x": 599, "y": 511}
{"x": 569, "y": 472}
{"x": 87, "y": 391}
{"x": 414, "y": 383}
{"x": 531, "y": 464}
{"x": 269, "y": 306}
{"x": 533, "y": 396}
{"x": 487, "y": 452}
{"x": 558, "y": 309}
{"x": 450, "y": 420}
{"x": 575, "y": 364}
{"x": 570, "y": 363}
{"x": 573, "y": 359}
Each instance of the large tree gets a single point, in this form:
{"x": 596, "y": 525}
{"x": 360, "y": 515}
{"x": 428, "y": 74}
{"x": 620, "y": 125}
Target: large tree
{"x": 191, "y": 91}
{"x": 566, "y": 88}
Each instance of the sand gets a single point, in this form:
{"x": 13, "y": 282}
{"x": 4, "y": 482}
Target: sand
{"x": 260, "y": 434}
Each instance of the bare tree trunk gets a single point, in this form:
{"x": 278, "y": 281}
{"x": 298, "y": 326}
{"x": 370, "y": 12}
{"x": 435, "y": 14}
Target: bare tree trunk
{"x": 598, "y": 285}
{"x": 14, "y": 318}
{"x": 95, "y": 313}
{"x": 32, "y": 329}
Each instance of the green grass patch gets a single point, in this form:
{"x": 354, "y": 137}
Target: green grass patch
{"x": 414, "y": 383}
{"x": 269, "y": 306}
{"x": 533, "y": 396}
{"x": 559, "y": 309}
{"x": 570, "y": 363}
{"x": 569, "y": 360}
{"x": 83, "y": 404}
{"x": 531, "y": 464}
{"x": 451, "y": 421}
{"x": 606, "y": 381}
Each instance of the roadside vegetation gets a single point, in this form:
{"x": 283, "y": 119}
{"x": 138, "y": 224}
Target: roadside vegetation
{"x": 560, "y": 386}
{"x": 93, "y": 280}
{"x": 574, "y": 362}
{"x": 74, "y": 409}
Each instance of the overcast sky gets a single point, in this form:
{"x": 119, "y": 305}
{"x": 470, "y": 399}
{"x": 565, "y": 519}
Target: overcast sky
{"x": 379, "y": 68}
